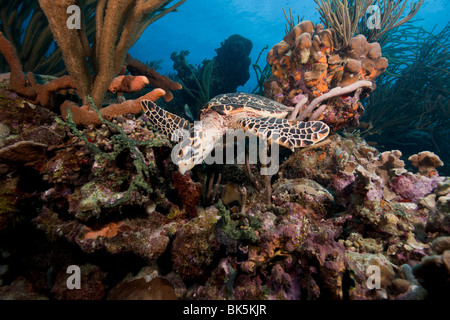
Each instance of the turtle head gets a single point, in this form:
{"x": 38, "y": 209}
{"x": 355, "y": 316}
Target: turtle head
{"x": 195, "y": 146}
{"x": 191, "y": 149}
{"x": 183, "y": 155}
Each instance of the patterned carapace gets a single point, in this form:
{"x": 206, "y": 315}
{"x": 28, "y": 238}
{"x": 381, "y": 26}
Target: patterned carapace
{"x": 251, "y": 113}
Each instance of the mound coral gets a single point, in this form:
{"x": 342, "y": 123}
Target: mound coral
{"x": 195, "y": 247}
{"x": 433, "y": 273}
{"x": 147, "y": 238}
{"x": 426, "y": 162}
{"x": 322, "y": 83}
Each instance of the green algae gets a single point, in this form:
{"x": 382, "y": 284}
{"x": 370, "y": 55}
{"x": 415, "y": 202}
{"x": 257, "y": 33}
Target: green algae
{"x": 243, "y": 228}
{"x": 121, "y": 143}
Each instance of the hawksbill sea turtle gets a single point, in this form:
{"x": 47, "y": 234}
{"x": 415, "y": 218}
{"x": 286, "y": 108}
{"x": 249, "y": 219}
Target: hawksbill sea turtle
{"x": 251, "y": 113}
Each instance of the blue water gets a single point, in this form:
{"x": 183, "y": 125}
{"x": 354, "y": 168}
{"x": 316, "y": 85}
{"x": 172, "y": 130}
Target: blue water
{"x": 200, "y": 26}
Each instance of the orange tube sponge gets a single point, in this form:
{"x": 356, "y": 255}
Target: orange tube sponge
{"x": 45, "y": 91}
{"x": 128, "y": 84}
{"x": 136, "y": 67}
{"x": 85, "y": 116}
{"x": 26, "y": 85}
{"x": 18, "y": 81}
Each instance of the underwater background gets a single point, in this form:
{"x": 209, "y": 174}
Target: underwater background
{"x": 200, "y": 26}
{"x": 93, "y": 205}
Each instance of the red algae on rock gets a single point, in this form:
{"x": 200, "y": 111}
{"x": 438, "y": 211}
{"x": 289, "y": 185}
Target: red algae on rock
{"x": 189, "y": 192}
{"x": 195, "y": 247}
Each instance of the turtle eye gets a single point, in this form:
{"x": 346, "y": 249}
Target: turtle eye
{"x": 186, "y": 152}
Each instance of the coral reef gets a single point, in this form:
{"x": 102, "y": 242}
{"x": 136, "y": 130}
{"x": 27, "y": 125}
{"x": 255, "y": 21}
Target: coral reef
{"x": 189, "y": 192}
{"x": 433, "y": 271}
{"x": 117, "y": 29}
{"x": 28, "y": 87}
{"x": 337, "y": 209}
{"x": 334, "y": 12}
{"x": 195, "y": 248}
{"x": 438, "y": 205}
{"x": 20, "y": 289}
{"x": 96, "y": 187}
{"x": 85, "y": 115}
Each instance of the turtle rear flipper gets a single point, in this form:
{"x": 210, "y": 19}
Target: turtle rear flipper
{"x": 290, "y": 134}
{"x": 165, "y": 122}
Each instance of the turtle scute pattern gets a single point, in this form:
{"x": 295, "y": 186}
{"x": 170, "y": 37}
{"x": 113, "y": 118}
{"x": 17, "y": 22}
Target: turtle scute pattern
{"x": 290, "y": 134}
{"x": 165, "y": 122}
{"x": 239, "y": 101}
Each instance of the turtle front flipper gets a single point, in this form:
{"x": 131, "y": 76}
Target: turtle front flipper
{"x": 290, "y": 134}
{"x": 165, "y": 122}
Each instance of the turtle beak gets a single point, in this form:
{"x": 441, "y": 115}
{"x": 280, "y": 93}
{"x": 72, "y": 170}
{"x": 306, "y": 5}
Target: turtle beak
{"x": 183, "y": 167}
{"x": 181, "y": 170}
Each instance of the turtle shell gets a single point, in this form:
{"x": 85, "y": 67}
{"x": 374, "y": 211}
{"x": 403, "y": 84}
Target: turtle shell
{"x": 233, "y": 103}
